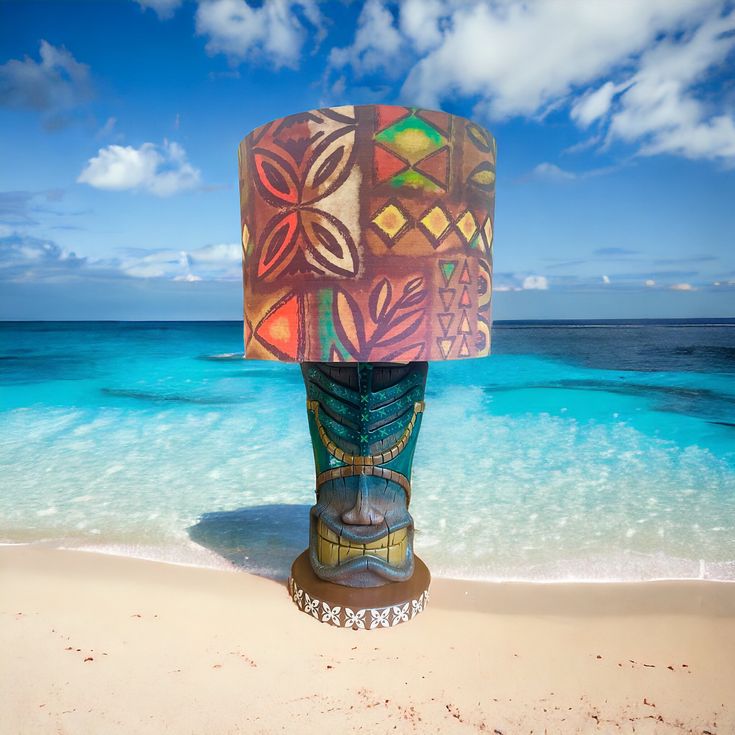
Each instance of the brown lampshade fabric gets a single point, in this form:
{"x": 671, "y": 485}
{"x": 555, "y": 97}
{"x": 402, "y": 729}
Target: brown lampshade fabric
{"x": 367, "y": 236}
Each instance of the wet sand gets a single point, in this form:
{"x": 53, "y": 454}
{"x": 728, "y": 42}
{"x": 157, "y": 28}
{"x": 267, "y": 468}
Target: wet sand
{"x": 102, "y": 644}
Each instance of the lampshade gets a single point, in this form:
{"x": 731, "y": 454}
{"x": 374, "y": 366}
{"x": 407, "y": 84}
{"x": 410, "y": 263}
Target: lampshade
{"x": 367, "y": 236}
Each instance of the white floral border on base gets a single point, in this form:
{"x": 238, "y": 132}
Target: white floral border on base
{"x": 366, "y": 618}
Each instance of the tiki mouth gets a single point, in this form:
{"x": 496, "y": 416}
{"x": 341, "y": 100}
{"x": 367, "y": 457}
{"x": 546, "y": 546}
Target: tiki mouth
{"x": 334, "y": 549}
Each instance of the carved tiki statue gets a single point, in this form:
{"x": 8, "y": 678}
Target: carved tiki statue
{"x": 367, "y": 251}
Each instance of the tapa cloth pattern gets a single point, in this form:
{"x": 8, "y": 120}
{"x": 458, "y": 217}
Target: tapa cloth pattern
{"x": 367, "y": 236}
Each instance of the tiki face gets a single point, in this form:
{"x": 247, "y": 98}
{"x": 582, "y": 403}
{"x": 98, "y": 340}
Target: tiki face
{"x": 364, "y": 421}
{"x": 361, "y": 532}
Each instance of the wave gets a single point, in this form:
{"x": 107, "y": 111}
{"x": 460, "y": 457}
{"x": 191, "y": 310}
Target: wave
{"x": 610, "y": 569}
{"x": 153, "y": 397}
{"x": 224, "y": 357}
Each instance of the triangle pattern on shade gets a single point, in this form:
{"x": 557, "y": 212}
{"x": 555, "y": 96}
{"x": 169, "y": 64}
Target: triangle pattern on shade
{"x": 447, "y": 267}
{"x": 464, "y": 348}
{"x": 412, "y": 179}
{"x": 435, "y": 166}
{"x": 446, "y": 322}
{"x": 464, "y": 324}
{"x": 445, "y": 345}
{"x": 280, "y": 330}
{"x": 388, "y": 114}
{"x": 464, "y": 299}
{"x": 386, "y": 164}
{"x": 440, "y": 120}
{"x": 447, "y": 297}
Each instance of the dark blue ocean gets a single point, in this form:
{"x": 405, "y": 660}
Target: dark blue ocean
{"x": 579, "y": 450}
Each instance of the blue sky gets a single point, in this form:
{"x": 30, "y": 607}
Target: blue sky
{"x": 119, "y": 125}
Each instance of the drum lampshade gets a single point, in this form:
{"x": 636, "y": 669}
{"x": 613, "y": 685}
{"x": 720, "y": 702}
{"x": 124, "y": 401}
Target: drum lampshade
{"x": 367, "y": 236}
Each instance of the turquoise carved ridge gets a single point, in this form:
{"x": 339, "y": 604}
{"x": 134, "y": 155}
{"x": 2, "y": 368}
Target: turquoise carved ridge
{"x": 364, "y": 421}
{"x": 350, "y": 425}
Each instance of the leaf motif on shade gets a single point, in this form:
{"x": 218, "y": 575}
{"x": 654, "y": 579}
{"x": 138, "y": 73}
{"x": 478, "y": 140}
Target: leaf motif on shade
{"x": 410, "y": 353}
{"x": 380, "y": 298}
{"x": 483, "y": 177}
{"x": 480, "y": 137}
{"x": 279, "y": 246}
{"x": 329, "y": 165}
{"x": 413, "y": 293}
{"x": 392, "y": 321}
{"x": 328, "y": 245}
{"x": 400, "y": 327}
{"x": 276, "y": 178}
{"x": 413, "y": 285}
{"x": 348, "y": 322}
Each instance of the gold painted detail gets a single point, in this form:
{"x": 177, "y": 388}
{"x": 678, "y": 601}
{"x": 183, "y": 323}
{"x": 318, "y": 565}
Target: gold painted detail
{"x": 370, "y": 459}
{"x": 333, "y": 549}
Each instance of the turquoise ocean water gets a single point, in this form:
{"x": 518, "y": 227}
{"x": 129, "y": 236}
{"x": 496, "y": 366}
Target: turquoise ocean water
{"x": 577, "y": 451}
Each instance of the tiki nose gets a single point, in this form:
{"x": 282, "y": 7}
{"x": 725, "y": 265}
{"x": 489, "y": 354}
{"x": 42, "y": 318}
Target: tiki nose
{"x": 362, "y": 513}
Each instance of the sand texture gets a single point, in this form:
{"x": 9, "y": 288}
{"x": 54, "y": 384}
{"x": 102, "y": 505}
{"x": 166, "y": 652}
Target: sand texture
{"x": 93, "y": 644}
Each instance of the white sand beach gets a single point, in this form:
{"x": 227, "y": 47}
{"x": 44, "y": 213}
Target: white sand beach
{"x": 99, "y": 644}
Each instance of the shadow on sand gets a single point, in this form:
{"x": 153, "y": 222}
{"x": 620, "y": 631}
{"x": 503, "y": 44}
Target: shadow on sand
{"x": 264, "y": 539}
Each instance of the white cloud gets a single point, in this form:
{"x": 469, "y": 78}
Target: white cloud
{"x": 162, "y": 171}
{"x": 682, "y": 287}
{"x": 163, "y": 8}
{"x": 535, "y": 283}
{"x": 659, "y": 107}
{"x": 377, "y": 42}
{"x": 419, "y": 21}
{"x": 650, "y": 283}
{"x": 632, "y": 69}
{"x": 24, "y": 258}
{"x": 593, "y": 105}
{"x": 551, "y": 172}
{"x": 520, "y": 58}
{"x": 107, "y": 129}
{"x": 606, "y": 280}
{"x": 54, "y": 85}
{"x": 210, "y": 262}
{"x": 273, "y": 30}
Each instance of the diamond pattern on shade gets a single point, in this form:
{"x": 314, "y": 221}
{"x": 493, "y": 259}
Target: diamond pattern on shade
{"x": 435, "y": 222}
{"x": 411, "y": 138}
{"x": 391, "y": 220}
{"x": 467, "y": 225}
{"x": 487, "y": 231}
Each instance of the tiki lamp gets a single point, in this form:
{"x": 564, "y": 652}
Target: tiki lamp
{"x": 367, "y": 251}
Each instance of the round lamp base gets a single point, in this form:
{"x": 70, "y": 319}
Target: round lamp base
{"x": 359, "y": 608}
